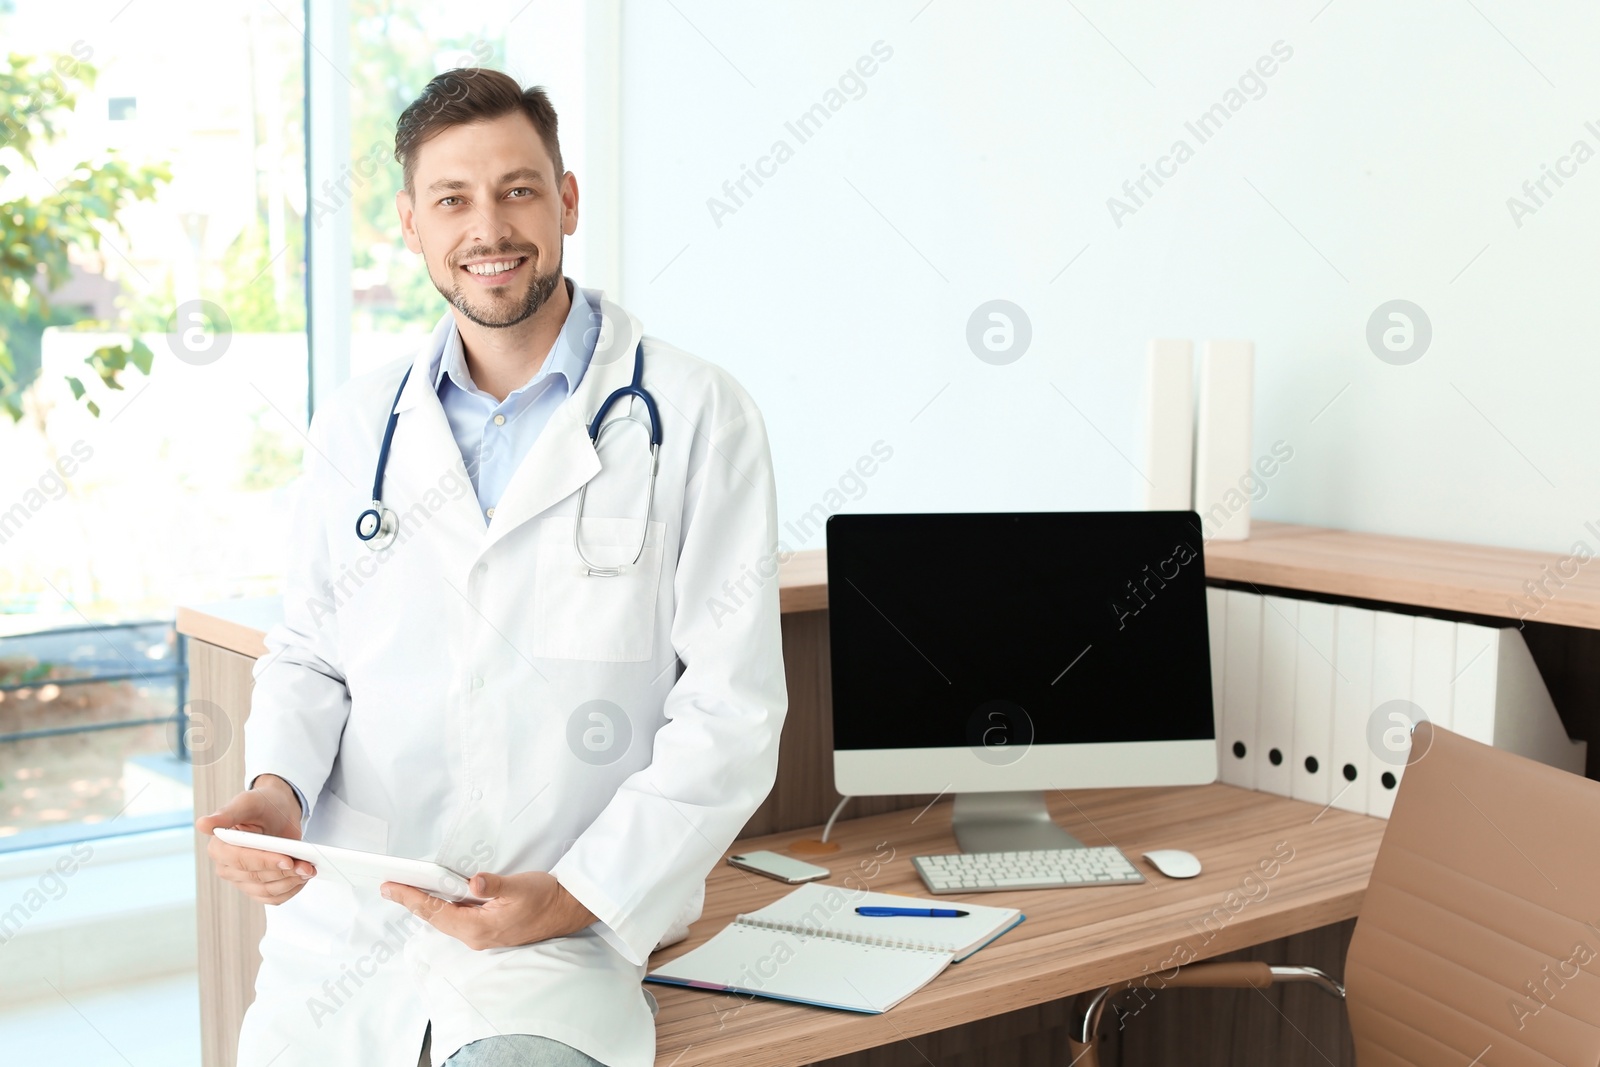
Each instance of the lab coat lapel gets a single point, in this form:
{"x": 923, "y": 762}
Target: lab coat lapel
{"x": 424, "y": 458}
{"x": 562, "y": 457}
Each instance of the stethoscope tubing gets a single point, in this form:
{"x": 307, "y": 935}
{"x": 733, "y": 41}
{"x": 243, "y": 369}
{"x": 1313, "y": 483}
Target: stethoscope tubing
{"x": 378, "y": 526}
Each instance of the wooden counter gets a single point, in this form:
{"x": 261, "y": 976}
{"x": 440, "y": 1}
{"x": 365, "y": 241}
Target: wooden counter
{"x": 239, "y": 625}
{"x": 1073, "y": 939}
{"x": 1005, "y": 1005}
{"x": 1412, "y": 572}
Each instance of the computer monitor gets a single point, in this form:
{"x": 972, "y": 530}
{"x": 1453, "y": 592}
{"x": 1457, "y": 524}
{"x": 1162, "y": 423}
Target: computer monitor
{"x": 1000, "y": 656}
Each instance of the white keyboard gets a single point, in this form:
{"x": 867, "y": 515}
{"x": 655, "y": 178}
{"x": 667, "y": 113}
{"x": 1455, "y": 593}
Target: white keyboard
{"x": 981, "y": 872}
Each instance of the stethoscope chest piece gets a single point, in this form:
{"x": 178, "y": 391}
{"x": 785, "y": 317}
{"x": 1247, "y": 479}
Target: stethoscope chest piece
{"x": 376, "y": 526}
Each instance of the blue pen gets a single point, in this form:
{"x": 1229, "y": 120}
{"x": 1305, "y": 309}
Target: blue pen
{"x": 925, "y": 913}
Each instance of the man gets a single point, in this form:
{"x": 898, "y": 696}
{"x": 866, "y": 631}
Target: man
{"x": 585, "y": 746}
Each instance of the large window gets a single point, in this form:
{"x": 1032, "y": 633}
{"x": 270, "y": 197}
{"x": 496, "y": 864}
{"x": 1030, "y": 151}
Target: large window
{"x": 394, "y": 47}
{"x": 173, "y": 193}
{"x": 240, "y": 241}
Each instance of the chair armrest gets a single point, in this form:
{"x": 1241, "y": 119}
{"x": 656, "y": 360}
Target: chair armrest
{"x": 1244, "y": 975}
{"x": 1082, "y": 1040}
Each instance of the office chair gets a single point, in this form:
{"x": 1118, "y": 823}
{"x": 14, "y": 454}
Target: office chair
{"x": 1478, "y": 940}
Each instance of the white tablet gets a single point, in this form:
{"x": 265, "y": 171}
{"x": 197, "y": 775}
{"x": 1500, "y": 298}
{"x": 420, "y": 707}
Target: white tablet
{"x": 366, "y": 869}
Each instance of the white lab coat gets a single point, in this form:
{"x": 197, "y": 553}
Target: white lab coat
{"x": 438, "y": 700}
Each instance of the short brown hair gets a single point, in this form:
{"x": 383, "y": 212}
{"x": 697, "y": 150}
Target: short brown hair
{"x": 471, "y": 94}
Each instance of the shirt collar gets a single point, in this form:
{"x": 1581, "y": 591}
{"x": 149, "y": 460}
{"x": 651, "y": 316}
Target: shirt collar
{"x": 568, "y": 358}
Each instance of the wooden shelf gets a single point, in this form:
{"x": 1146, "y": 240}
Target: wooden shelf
{"x": 236, "y": 625}
{"x": 803, "y": 582}
{"x": 1406, "y": 571}
{"x": 1411, "y": 571}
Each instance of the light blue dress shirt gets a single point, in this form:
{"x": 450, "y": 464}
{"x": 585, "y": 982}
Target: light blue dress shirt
{"x": 494, "y": 436}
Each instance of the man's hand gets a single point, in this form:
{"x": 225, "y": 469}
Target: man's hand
{"x": 520, "y": 909}
{"x": 269, "y": 807}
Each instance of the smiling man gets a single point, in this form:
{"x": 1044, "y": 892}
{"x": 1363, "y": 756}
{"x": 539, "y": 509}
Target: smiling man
{"x": 516, "y": 676}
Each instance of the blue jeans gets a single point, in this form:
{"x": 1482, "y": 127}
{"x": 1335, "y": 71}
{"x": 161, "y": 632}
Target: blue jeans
{"x": 511, "y": 1050}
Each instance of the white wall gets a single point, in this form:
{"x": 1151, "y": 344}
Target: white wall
{"x": 570, "y": 49}
{"x": 977, "y": 165}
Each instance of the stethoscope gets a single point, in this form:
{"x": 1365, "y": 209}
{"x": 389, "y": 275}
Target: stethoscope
{"x": 378, "y": 526}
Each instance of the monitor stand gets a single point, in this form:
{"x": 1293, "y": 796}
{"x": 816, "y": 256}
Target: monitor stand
{"x": 1006, "y": 822}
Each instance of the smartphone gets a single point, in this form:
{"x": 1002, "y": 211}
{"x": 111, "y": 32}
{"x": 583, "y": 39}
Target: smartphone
{"x": 783, "y": 868}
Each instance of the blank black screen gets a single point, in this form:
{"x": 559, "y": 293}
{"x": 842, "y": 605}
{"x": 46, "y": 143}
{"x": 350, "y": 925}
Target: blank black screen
{"x": 1093, "y": 624}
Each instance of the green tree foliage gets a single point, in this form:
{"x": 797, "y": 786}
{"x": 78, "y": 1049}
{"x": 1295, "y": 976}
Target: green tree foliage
{"x": 271, "y": 463}
{"x": 247, "y": 294}
{"x": 80, "y": 214}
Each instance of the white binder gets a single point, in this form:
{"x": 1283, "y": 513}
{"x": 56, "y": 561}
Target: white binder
{"x": 1388, "y": 739}
{"x": 1169, "y": 425}
{"x": 1433, "y": 669}
{"x": 1477, "y": 674}
{"x": 1310, "y": 771}
{"x": 1240, "y": 682}
{"x": 1352, "y": 706}
{"x": 1275, "y": 710}
{"x": 1222, "y": 439}
{"x": 1310, "y": 679}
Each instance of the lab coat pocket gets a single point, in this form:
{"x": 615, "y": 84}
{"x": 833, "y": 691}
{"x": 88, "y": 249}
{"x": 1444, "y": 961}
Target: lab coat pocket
{"x": 585, "y": 617}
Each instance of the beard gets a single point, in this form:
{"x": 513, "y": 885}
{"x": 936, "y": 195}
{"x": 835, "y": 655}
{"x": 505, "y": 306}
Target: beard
{"x": 495, "y": 310}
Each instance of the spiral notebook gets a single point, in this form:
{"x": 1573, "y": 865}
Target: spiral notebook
{"x": 811, "y": 947}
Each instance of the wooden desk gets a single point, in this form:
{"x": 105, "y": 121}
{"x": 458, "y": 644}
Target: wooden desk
{"x": 1073, "y": 939}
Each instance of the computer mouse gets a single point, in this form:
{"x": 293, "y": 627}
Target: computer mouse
{"x": 1174, "y": 862}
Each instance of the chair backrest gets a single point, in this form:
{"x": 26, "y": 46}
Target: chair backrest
{"x": 1479, "y": 937}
